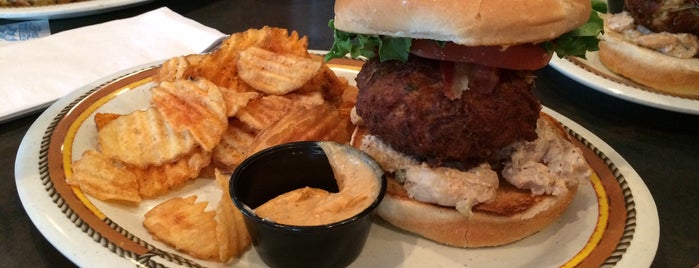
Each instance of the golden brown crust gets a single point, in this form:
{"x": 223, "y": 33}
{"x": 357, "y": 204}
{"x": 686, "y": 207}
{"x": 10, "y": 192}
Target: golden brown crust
{"x": 658, "y": 71}
{"x": 508, "y": 200}
{"x": 510, "y": 216}
{"x": 448, "y": 226}
{"x": 471, "y": 23}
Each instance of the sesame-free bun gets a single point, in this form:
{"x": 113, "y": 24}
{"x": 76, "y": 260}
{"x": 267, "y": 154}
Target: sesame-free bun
{"x": 660, "y": 72}
{"x": 465, "y": 22}
{"x": 447, "y": 226}
{"x": 518, "y": 213}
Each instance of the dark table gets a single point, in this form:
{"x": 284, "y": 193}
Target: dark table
{"x": 662, "y": 146}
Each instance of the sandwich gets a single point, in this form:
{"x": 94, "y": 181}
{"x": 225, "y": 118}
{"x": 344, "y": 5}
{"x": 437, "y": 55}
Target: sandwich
{"x": 655, "y": 44}
{"x": 446, "y": 107}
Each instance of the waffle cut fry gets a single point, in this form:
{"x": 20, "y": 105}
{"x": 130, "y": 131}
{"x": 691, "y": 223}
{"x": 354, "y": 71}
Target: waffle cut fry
{"x": 104, "y": 178}
{"x": 184, "y": 225}
{"x": 196, "y": 106}
{"x": 144, "y": 138}
{"x": 231, "y": 234}
{"x": 275, "y": 73}
{"x": 154, "y": 181}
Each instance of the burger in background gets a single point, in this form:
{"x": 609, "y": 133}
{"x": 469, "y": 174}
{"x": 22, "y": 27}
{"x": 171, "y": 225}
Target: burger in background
{"x": 446, "y": 106}
{"x": 655, "y": 43}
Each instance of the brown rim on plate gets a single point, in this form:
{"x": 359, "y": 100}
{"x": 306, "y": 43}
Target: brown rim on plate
{"x": 620, "y": 224}
{"x": 70, "y": 199}
{"x": 614, "y": 230}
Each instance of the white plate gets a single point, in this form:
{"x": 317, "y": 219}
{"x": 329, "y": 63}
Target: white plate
{"x": 592, "y": 73}
{"x": 68, "y": 10}
{"x": 612, "y": 220}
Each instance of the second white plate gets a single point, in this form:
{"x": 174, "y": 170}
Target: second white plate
{"x": 68, "y": 10}
{"x": 592, "y": 73}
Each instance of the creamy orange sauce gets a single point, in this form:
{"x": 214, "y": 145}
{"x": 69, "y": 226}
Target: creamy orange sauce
{"x": 359, "y": 186}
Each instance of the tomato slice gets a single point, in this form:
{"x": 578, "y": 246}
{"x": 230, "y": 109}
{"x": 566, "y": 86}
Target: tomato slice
{"x": 518, "y": 57}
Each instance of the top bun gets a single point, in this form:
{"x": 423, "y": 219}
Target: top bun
{"x": 465, "y": 22}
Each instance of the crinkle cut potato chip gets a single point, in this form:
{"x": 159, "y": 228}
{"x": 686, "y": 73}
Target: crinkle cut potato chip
{"x": 274, "y": 39}
{"x": 275, "y": 73}
{"x": 321, "y": 122}
{"x": 180, "y": 67}
{"x": 109, "y": 179}
{"x": 102, "y": 119}
{"x": 306, "y": 99}
{"x": 348, "y": 100}
{"x": 235, "y": 101}
{"x": 233, "y": 148}
{"x": 261, "y": 113}
{"x": 232, "y": 235}
{"x": 196, "y": 106}
{"x": 326, "y": 82}
{"x": 144, "y": 138}
{"x": 184, "y": 225}
{"x": 220, "y": 67}
{"x": 104, "y": 178}
{"x": 158, "y": 180}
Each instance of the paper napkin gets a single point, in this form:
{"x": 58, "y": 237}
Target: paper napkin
{"x": 35, "y": 73}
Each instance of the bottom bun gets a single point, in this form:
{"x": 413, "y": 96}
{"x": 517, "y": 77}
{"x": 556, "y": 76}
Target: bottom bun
{"x": 660, "y": 72}
{"x": 520, "y": 214}
{"x": 446, "y": 225}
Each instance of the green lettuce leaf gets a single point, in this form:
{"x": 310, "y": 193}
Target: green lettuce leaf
{"x": 585, "y": 38}
{"x": 574, "y": 43}
{"x": 364, "y": 45}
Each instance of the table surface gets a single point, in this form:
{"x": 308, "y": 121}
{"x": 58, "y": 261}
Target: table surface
{"x": 662, "y": 146}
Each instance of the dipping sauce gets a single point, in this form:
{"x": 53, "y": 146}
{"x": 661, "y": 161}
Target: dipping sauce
{"x": 358, "y": 183}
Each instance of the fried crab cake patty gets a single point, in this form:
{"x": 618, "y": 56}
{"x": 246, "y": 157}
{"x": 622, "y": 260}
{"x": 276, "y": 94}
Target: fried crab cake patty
{"x": 423, "y": 108}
